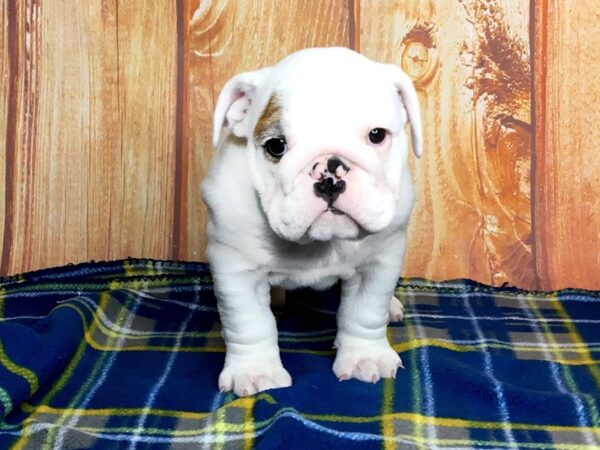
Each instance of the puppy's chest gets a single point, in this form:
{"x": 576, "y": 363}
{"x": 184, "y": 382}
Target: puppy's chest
{"x": 314, "y": 267}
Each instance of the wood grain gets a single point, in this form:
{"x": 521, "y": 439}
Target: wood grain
{"x": 106, "y": 117}
{"x": 470, "y": 62}
{"x": 567, "y": 162}
{"x": 147, "y": 42}
{"x": 90, "y": 130}
{"x": 4, "y": 100}
{"x": 230, "y": 37}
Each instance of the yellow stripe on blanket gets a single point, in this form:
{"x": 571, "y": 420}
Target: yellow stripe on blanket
{"x": 21, "y": 371}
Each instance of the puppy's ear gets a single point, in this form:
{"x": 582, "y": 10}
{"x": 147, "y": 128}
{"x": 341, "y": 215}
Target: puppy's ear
{"x": 406, "y": 89}
{"x": 234, "y": 103}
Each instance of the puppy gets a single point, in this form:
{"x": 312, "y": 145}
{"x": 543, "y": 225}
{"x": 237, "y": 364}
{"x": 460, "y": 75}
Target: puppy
{"x": 310, "y": 185}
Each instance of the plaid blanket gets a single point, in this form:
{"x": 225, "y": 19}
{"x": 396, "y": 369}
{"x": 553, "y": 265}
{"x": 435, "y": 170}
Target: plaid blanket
{"x": 127, "y": 354}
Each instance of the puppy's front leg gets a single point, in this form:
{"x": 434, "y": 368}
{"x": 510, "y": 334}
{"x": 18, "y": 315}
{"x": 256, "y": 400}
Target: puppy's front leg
{"x": 363, "y": 350}
{"x": 252, "y": 361}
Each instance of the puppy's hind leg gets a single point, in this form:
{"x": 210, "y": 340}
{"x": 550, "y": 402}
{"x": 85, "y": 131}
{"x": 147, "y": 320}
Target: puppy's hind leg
{"x": 396, "y": 310}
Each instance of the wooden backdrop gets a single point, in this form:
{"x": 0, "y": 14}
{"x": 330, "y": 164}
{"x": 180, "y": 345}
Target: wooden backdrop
{"x": 106, "y": 107}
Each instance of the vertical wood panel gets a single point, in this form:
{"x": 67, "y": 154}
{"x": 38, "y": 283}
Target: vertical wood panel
{"x": 24, "y": 31}
{"x": 567, "y": 186}
{"x": 79, "y": 133}
{"x": 147, "y": 43}
{"x": 4, "y": 95}
{"x": 182, "y": 128}
{"x": 470, "y": 62}
{"x": 228, "y": 37}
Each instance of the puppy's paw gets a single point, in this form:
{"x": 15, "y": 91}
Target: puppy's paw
{"x": 366, "y": 362}
{"x": 247, "y": 377}
{"x": 396, "y": 311}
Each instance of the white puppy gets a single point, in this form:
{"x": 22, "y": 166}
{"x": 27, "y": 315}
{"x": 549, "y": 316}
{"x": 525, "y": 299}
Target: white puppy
{"x": 310, "y": 185}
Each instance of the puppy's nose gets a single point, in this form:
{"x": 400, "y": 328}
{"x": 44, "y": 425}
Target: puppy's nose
{"x": 331, "y": 167}
{"x": 328, "y": 190}
{"x": 329, "y": 174}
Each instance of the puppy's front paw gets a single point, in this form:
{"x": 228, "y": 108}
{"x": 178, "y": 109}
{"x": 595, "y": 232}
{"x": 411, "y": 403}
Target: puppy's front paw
{"x": 366, "y": 362}
{"x": 396, "y": 310}
{"x": 247, "y": 376}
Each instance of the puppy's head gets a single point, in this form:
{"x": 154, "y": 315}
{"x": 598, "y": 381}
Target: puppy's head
{"x": 325, "y": 140}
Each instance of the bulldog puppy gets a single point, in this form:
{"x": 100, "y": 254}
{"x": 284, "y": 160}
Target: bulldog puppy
{"x": 310, "y": 185}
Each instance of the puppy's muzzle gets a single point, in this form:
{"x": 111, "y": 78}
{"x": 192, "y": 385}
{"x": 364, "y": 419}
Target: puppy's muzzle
{"x": 329, "y": 173}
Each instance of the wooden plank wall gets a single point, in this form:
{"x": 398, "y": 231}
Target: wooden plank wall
{"x": 567, "y": 156}
{"x": 229, "y": 37}
{"x": 105, "y": 119}
{"x": 470, "y": 61}
{"x": 89, "y": 138}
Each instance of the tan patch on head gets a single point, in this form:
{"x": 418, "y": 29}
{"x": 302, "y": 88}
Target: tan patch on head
{"x": 269, "y": 123}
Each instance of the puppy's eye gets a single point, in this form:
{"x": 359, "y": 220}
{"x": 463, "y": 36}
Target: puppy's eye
{"x": 276, "y": 147}
{"x": 377, "y": 135}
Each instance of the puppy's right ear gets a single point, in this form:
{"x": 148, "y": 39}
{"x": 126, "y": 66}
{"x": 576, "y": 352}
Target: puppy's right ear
{"x": 234, "y": 103}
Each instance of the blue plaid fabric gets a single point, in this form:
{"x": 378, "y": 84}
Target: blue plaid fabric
{"x": 126, "y": 354}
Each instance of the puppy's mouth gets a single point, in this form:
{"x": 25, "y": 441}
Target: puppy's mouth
{"x": 334, "y": 210}
{"x": 333, "y": 223}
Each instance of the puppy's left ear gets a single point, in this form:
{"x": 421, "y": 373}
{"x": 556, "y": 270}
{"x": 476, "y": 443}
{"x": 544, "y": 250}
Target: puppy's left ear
{"x": 234, "y": 103}
{"x": 406, "y": 89}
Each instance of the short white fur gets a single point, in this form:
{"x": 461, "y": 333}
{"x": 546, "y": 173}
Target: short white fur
{"x": 266, "y": 226}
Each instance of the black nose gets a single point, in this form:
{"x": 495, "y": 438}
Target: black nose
{"x": 328, "y": 190}
{"x": 330, "y": 185}
{"x": 334, "y": 163}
